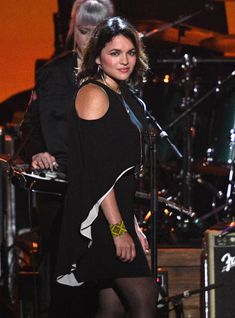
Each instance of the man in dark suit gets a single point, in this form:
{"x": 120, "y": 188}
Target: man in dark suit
{"x": 45, "y": 128}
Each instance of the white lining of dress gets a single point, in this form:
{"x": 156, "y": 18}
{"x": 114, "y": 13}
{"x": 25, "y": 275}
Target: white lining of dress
{"x": 85, "y": 230}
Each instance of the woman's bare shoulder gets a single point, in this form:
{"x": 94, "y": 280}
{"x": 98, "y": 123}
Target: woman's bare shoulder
{"x": 91, "y": 102}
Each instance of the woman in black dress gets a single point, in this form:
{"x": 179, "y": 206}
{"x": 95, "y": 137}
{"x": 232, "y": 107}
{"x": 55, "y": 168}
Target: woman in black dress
{"x": 100, "y": 239}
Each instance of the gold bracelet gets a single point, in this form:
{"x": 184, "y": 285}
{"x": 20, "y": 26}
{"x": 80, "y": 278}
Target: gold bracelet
{"x": 118, "y": 229}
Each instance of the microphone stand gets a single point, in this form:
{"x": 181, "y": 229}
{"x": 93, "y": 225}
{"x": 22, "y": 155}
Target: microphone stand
{"x": 154, "y": 206}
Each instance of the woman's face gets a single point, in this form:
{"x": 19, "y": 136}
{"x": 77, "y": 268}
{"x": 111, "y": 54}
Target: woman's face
{"x": 82, "y": 36}
{"x": 118, "y": 58}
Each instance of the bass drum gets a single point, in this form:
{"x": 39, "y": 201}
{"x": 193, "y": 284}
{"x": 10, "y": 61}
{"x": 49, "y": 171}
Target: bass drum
{"x": 220, "y": 150}
{"x": 164, "y": 100}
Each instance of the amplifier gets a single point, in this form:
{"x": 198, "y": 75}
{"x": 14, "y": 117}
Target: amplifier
{"x": 219, "y": 269}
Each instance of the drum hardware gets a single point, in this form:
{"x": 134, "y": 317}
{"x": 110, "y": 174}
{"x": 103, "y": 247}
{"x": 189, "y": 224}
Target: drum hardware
{"x": 229, "y": 229}
{"x": 208, "y": 167}
{"x": 188, "y": 128}
{"x": 198, "y": 221}
{"x": 211, "y": 169}
{"x": 196, "y": 60}
{"x": 173, "y": 219}
{"x": 186, "y": 172}
{"x": 177, "y": 299}
{"x": 198, "y": 102}
{"x": 190, "y": 93}
{"x": 226, "y": 209}
{"x": 167, "y": 203}
{"x": 217, "y": 193}
{"x": 230, "y": 195}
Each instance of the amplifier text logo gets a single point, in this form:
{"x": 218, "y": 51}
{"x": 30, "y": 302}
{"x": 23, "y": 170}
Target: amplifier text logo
{"x": 229, "y": 262}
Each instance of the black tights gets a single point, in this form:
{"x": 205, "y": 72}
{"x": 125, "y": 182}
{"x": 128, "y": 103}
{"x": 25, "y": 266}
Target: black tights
{"x": 136, "y": 296}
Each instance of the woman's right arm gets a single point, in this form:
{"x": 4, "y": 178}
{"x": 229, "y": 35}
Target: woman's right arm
{"x": 125, "y": 247}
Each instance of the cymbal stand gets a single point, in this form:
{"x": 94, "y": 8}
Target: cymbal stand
{"x": 228, "y": 207}
{"x": 208, "y": 7}
{"x": 230, "y": 195}
{"x": 187, "y": 133}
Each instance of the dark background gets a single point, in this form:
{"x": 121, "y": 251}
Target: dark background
{"x": 170, "y": 10}
{"x": 166, "y": 10}
{"x": 138, "y": 12}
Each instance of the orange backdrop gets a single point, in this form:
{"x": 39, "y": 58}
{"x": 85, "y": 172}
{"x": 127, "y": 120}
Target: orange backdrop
{"x": 26, "y": 34}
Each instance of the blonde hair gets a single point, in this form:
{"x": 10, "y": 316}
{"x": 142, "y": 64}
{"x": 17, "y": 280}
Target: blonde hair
{"x": 88, "y": 12}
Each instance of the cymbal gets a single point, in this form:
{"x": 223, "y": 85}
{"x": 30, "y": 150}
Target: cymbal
{"x": 191, "y": 35}
{"x": 221, "y": 43}
{"x": 186, "y": 34}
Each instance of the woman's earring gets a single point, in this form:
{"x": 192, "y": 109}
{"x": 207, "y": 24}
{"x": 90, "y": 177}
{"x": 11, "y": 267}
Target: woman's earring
{"x": 74, "y": 41}
{"x": 100, "y": 72}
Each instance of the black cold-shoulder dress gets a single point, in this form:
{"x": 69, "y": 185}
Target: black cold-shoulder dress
{"x": 103, "y": 155}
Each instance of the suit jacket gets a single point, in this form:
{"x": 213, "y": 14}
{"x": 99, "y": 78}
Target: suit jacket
{"x": 46, "y": 117}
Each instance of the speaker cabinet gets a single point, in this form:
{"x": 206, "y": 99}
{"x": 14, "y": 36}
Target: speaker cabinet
{"x": 219, "y": 269}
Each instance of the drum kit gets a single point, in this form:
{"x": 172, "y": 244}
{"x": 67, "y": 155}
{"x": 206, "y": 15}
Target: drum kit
{"x": 211, "y": 180}
{"x": 194, "y": 99}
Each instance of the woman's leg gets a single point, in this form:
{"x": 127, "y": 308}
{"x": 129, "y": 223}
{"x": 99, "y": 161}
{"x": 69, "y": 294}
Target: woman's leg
{"x": 110, "y": 304}
{"x": 139, "y": 294}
